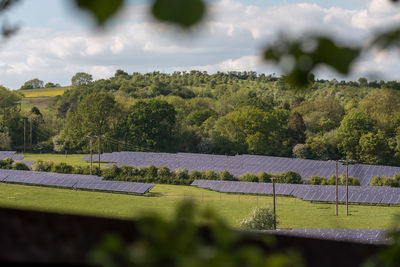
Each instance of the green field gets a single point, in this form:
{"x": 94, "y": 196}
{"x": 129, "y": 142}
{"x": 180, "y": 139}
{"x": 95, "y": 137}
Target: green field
{"x": 44, "y": 92}
{"x": 292, "y": 213}
{"x": 72, "y": 159}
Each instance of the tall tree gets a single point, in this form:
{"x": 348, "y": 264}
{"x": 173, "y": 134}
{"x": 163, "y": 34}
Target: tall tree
{"x": 93, "y": 117}
{"x": 81, "y": 78}
{"x": 32, "y": 84}
{"x": 150, "y": 124}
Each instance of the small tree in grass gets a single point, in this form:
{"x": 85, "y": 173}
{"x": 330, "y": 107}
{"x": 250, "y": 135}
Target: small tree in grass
{"x": 259, "y": 219}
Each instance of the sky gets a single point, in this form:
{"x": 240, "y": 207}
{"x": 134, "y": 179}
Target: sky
{"x": 56, "y": 40}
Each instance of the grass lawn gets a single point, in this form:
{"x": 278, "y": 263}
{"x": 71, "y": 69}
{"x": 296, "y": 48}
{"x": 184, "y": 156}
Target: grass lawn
{"x": 72, "y": 159}
{"x": 292, "y": 212}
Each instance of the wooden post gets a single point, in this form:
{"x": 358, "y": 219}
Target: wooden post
{"x": 347, "y": 189}
{"x": 30, "y": 127}
{"x": 98, "y": 149}
{"x": 273, "y": 193}
{"x": 91, "y": 157}
{"x": 337, "y": 188}
{"x": 24, "y": 136}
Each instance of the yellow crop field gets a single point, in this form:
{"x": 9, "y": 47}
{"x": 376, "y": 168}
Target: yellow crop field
{"x": 49, "y": 92}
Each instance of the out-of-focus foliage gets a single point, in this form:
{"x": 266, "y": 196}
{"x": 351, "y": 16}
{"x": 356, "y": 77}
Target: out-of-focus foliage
{"x": 389, "y": 256}
{"x": 102, "y": 10}
{"x": 299, "y": 58}
{"x": 182, "y": 12}
{"x": 192, "y": 238}
{"x": 7, "y": 30}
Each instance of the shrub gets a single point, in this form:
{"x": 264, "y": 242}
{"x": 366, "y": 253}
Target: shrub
{"x": 82, "y": 170}
{"x": 20, "y": 166}
{"x": 142, "y": 171}
{"x": 6, "y": 163}
{"x": 62, "y": 168}
{"x": 249, "y": 177}
{"x": 211, "y": 175}
{"x": 182, "y": 174}
{"x": 381, "y": 181}
{"x": 259, "y": 219}
{"x": 151, "y": 172}
{"x": 164, "y": 175}
{"x": 352, "y": 180}
{"x": 128, "y": 171}
{"x": 96, "y": 171}
{"x": 227, "y": 176}
{"x": 264, "y": 177}
{"x": 396, "y": 180}
{"x": 331, "y": 180}
{"x": 289, "y": 177}
{"x": 196, "y": 175}
{"x": 42, "y": 166}
{"x": 316, "y": 180}
{"x": 111, "y": 172}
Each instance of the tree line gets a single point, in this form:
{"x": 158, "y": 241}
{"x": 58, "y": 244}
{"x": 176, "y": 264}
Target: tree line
{"x": 222, "y": 113}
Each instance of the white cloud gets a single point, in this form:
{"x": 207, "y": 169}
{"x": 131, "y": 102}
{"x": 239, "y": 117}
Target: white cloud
{"x": 230, "y": 39}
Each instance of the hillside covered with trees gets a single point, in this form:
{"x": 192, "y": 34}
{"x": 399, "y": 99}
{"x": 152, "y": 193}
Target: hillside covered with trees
{"x": 222, "y": 113}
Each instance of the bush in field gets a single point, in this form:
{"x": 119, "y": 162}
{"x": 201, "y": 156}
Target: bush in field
{"x": 396, "y": 180}
{"x": 128, "y": 171}
{"x": 259, "y": 219}
{"x": 85, "y": 170}
{"x": 20, "y": 166}
{"x": 96, "y": 171}
{"x": 164, "y": 175}
{"x": 264, "y": 177}
{"x": 151, "y": 172}
{"x": 42, "y": 166}
{"x": 330, "y": 181}
{"x": 316, "y": 180}
{"x": 62, "y": 168}
{"x": 211, "y": 175}
{"x": 381, "y": 181}
{"x": 289, "y": 177}
{"x": 249, "y": 177}
{"x": 196, "y": 175}
{"x": 182, "y": 174}
{"x": 352, "y": 180}
{"x": 227, "y": 176}
{"x": 6, "y": 163}
{"x": 111, "y": 172}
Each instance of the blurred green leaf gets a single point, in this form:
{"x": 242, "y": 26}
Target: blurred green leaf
{"x": 6, "y": 4}
{"x": 298, "y": 59}
{"x": 387, "y": 39}
{"x": 102, "y": 10}
{"x": 183, "y": 12}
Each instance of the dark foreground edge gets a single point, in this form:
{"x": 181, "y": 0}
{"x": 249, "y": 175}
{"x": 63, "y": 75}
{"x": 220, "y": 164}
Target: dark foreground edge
{"x": 41, "y": 238}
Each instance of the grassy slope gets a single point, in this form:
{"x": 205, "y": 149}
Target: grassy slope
{"x": 293, "y": 213}
{"x": 44, "y": 92}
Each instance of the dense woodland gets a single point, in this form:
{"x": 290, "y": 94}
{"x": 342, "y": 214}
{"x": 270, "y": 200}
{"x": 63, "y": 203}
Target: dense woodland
{"x": 222, "y": 113}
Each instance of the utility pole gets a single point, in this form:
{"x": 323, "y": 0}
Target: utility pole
{"x": 30, "y": 123}
{"x": 337, "y": 188}
{"x": 347, "y": 188}
{"x": 98, "y": 148}
{"x": 347, "y": 163}
{"x": 91, "y": 152}
{"x": 91, "y": 157}
{"x": 24, "y": 136}
{"x": 273, "y": 193}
